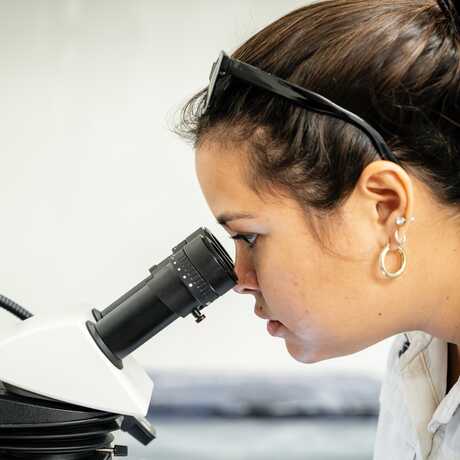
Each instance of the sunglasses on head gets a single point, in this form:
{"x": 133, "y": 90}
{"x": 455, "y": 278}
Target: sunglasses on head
{"x": 226, "y": 66}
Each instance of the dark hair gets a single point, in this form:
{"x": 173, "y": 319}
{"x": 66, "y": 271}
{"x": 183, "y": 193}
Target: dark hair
{"x": 394, "y": 63}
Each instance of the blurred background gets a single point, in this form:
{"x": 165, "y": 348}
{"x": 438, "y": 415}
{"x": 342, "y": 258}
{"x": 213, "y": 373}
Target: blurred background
{"x": 96, "y": 188}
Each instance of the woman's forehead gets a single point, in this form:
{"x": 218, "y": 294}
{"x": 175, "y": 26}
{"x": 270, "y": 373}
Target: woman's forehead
{"x": 222, "y": 173}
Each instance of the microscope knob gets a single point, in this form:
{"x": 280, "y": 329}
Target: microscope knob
{"x": 139, "y": 428}
{"x": 115, "y": 451}
{"x": 198, "y": 315}
{"x": 120, "y": 451}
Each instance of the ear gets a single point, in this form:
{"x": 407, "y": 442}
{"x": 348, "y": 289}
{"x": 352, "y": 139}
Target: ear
{"x": 390, "y": 191}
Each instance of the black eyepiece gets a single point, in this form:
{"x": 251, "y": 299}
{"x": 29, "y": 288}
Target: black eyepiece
{"x": 198, "y": 271}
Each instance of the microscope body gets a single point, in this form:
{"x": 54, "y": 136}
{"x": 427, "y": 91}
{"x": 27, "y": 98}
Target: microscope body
{"x": 67, "y": 378}
{"x": 56, "y": 357}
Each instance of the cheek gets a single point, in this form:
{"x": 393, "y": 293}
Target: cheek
{"x": 309, "y": 324}
{"x": 284, "y": 296}
{"x": 298, "y": 293}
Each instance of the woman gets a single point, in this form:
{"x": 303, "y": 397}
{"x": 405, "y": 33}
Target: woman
{"x": 345, "y": 209}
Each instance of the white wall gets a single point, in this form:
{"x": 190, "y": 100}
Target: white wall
{"x": 94, "y": 187}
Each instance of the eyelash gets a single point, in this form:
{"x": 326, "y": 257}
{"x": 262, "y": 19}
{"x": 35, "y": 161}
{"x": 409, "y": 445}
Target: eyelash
{"x": 246, "y": 238}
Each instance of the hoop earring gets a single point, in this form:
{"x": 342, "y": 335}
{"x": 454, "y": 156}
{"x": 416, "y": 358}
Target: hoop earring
{"x": 401, "y": 240}
{"x": 383, "y": 268}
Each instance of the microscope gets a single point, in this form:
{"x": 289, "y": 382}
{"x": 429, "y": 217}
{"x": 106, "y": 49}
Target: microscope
{"x": 68, "y": 381}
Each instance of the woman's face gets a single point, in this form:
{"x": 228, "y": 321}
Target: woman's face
{"x": 320, "y": 304}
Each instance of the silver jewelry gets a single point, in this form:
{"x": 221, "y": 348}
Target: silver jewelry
{"x": 401, "y": 240}
{"x": 383, "y": 268}
{"x": 401, "y": 220}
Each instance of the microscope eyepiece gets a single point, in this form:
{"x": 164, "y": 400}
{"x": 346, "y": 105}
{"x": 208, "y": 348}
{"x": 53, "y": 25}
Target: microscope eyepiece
{"x": 198, "y": 271}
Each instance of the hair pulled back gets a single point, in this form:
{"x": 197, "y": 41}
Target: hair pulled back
{"x": 394, "y": 63}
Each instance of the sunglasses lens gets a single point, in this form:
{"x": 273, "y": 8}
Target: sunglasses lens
{"x": 215, "y": 70}
{"x": 212, "y": 82}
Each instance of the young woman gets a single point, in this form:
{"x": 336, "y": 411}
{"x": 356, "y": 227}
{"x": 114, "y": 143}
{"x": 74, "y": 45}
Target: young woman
{"x": 328, "y": 146}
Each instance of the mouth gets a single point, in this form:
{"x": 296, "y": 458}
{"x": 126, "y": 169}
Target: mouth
{"x": 274, "y": 328}
{"x": 258, "y": 311}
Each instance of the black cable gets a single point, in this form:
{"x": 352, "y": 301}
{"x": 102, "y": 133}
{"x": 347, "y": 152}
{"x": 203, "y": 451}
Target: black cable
{"x": 14, "y": 308}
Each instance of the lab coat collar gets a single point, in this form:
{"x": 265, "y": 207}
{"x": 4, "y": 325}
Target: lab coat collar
{"x": 423, "y": 370}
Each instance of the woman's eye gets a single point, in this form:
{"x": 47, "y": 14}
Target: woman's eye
{"x": 249, "y": 239}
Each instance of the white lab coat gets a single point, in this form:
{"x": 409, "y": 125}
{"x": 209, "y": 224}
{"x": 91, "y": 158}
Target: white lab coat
{"x": 417, "y": 420}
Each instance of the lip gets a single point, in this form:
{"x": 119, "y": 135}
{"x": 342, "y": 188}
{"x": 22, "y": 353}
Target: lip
{"x": 275, "y": 328}
{"x": 259, "y": 314}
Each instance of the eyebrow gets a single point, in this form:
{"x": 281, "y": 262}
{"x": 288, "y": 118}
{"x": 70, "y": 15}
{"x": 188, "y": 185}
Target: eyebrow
{"x": 224, "y": 218}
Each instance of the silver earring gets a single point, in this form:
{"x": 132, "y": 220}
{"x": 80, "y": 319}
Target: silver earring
{"x": 383, "y": 268}
{"x": 401, "y": 240}
{"x": 401, "y": 220}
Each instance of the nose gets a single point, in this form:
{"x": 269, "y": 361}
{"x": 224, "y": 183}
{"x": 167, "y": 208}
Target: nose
{"x": 244, "y": 270}
{"x": 247, "y": 282}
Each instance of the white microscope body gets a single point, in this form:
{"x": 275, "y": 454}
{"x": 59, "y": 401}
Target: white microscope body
{"x": 65, "y": 377}
{"x": 56, "y": 357}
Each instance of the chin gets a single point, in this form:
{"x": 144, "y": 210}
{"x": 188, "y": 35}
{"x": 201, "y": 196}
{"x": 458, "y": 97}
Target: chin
{"x": 302, "y": 354}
